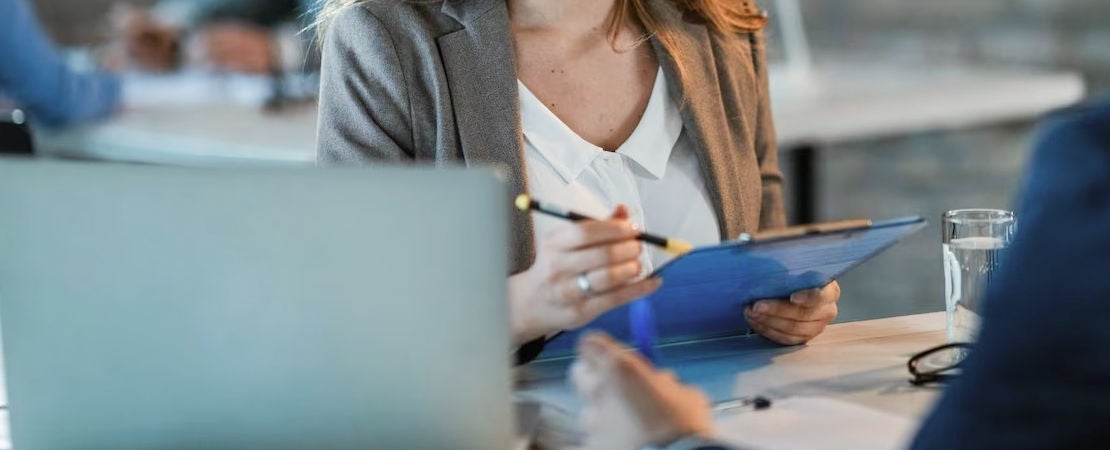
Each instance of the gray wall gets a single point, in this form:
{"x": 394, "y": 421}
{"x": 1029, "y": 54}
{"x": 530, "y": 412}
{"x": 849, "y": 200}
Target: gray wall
{"x": 1073, "y": 34}
{"x": 929, "y": 173}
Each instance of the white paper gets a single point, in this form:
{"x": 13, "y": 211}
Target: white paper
{"x": 190, "y": 89}
{"x": 806, "y": 423}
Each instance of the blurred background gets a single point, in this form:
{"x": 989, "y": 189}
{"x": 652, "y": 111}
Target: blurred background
{"x": 927, "y": 173}
{"x": 880, "y": 57}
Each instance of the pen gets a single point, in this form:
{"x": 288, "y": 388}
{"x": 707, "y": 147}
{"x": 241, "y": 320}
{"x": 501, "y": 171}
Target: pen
{"x": 670, "y": 245}
{"x": 641, "y": 315}
{"x": 754, "y": 403}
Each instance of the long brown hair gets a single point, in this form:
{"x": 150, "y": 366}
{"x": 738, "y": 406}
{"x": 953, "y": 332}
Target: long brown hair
{"x": 721, "y": 16}
{"x": 724, "y": 17}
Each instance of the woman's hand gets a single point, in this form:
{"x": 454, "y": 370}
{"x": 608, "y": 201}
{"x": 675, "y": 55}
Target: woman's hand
{"x": 548, "y": 297}
{"x": 628, "y": 404}
{"x": 797, "y": 320}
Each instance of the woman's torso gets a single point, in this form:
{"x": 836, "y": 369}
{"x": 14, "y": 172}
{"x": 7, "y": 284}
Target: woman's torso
{"x": 436, "y": 82}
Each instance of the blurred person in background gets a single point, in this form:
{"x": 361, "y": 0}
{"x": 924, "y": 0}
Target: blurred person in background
{"x": 35, "y": 77}
{"x": 244, "y": 36}
{"x": 1039, "y": 376}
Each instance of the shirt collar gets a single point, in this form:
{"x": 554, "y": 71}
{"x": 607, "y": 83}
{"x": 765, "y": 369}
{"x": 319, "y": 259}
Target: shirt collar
{"x": 566, "y": 151}
{"x": 654, "y": 138}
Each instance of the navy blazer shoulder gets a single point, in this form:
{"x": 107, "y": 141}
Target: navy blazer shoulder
{"x": 1040, "y": 375}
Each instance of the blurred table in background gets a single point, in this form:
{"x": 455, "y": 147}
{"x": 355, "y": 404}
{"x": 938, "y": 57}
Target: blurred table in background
{"x": 851, "y": 102}
{"x": 195, "y": 119}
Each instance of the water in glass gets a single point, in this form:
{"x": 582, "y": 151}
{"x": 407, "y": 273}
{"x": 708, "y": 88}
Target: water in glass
{"x": 968, "y": 265}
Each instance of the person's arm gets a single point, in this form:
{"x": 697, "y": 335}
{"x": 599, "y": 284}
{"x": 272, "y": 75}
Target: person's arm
{"x": 805, "y": 314}
{"x": 627, "y": 403}
{"x": 772, "y": 212}
{"x": 1046, "y": 388}
{"x": 364, "y": 102}
{"x": 37, "y": 78}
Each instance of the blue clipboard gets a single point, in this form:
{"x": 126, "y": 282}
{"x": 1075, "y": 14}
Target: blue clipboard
{"x": 704, "y": 292}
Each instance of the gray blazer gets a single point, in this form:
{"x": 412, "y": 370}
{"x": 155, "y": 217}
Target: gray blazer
{"x": 435, "y": 82}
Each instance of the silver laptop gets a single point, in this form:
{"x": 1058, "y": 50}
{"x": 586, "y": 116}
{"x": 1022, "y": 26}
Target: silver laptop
{"x": 172, "y": 308}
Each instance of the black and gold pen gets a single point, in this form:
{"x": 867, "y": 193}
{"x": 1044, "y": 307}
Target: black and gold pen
{"x": 670, "y": 245}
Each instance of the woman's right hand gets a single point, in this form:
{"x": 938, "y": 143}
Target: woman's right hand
{"x": 548, "y": 298}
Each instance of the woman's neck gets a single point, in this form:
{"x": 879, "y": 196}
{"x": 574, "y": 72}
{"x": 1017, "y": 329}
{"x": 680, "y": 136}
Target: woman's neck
{"x": 575, "y": 16}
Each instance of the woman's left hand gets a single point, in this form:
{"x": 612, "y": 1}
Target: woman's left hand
{"x": 797, "y": 320}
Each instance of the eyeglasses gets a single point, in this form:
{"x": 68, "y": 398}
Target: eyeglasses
{"x": 938, "y": 364}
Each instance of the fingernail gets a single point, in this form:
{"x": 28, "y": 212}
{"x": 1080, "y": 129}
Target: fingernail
{"x": 801, "y": 297}
{"x": 761, "y": 308}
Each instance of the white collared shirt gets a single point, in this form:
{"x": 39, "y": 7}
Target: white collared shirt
{"x": 655, "y": 173}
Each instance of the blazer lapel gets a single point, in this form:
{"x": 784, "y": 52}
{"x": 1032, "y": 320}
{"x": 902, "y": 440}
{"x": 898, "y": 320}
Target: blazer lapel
{"x": 704, "y": 116}
{"x": 479, "y": 62}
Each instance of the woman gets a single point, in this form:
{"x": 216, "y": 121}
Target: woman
{"x": 660, "y": 105}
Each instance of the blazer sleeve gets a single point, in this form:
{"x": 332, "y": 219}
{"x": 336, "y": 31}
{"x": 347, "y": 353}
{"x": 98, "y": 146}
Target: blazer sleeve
{"x": 773, "y": 213}
{"x": 365, "y": 112}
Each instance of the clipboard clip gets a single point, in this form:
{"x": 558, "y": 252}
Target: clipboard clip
{"x": 804, "y": 230}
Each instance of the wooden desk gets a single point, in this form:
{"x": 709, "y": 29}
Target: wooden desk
{"x": 859, "y": 362}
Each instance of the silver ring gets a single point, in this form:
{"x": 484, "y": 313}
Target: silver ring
{"x": 584, "y": 285}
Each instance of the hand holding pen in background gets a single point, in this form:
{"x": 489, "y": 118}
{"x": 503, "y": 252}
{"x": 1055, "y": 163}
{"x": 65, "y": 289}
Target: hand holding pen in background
{"x": 582, "y": 270}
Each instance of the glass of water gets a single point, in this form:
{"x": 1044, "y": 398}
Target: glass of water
{"x": 972, "y": 245}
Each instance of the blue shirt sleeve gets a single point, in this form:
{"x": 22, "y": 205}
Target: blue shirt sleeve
{"x": 34, "y": 75}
